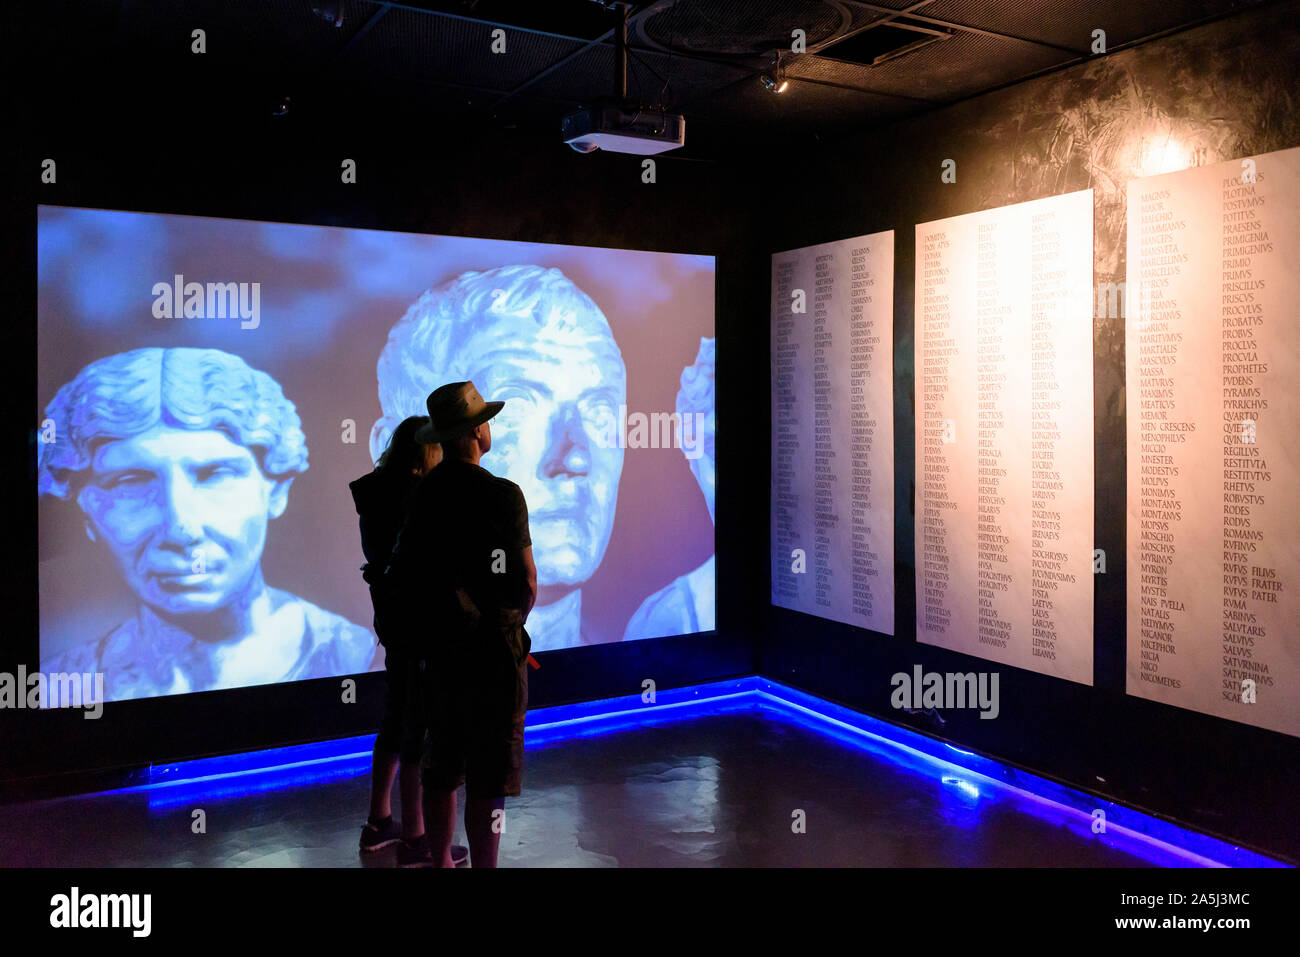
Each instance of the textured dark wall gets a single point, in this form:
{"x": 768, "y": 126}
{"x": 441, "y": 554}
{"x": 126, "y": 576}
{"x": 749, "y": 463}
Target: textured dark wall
{"x": 1221, "y": 91}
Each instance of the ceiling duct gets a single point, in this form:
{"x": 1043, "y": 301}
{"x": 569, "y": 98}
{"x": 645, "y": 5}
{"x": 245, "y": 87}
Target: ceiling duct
{"x": 743, "y": 28}
{"x": 878, "y": 44}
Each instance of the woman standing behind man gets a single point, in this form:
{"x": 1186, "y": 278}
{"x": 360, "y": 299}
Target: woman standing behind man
{"x": 381, "y": 498}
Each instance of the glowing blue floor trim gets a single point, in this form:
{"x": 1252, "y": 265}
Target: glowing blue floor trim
{"x": 236, "y": 775}
{"x": 1131, "y": 831}
{"x": 967, "y": 777}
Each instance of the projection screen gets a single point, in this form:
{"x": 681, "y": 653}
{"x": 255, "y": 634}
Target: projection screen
{"x": 207, "y": 388}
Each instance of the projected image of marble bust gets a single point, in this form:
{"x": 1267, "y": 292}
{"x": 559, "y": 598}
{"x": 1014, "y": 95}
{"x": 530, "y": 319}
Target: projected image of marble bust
{"x": 686, "y": 605}
{"x": 178, "y": 459}
{"x": 526, "y": 335}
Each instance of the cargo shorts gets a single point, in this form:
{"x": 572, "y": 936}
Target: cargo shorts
{"x": 476, "y": 700}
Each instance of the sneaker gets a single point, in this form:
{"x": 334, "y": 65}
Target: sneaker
{"x": 377, "y": 834}
{"x": 415, "y": 852}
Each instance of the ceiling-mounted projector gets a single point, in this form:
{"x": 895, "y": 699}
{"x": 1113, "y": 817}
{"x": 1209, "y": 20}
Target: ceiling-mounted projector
{"x": 618, "y": 125}
{"x": 621, "y": 129}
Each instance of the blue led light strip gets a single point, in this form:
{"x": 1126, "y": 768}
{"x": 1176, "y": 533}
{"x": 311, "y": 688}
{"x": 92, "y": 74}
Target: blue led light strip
{"x": 970, "y": 776}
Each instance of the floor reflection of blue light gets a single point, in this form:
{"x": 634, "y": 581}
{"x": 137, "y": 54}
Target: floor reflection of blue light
{"x": 1133, "y": 832}
{"x": 964, "y": 787}
{"x": 972, "y": 781}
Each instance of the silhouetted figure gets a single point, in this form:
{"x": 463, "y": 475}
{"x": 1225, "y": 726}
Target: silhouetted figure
{"x": 381, "y": 498}
{"x": 465, "y": 551}
{"x": 527, "y": 332}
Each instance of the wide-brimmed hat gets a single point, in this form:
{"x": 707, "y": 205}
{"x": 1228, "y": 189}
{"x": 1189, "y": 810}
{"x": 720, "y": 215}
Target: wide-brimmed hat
{"x": 454, "y": 409}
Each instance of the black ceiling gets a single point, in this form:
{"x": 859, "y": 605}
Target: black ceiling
{"x": 418, "y": 62}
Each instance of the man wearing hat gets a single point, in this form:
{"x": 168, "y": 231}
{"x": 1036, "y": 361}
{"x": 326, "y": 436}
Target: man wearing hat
{"x": 465, "y": 557}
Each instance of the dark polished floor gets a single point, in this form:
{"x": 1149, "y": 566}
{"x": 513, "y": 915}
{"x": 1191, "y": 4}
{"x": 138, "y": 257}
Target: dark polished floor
{"x": 720, "y": 790}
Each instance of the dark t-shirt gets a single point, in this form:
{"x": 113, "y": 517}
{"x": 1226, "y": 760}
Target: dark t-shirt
{"x": 381, "y": 502}
{"x": 461, "y": 553}
{"x": 381, "y": 498}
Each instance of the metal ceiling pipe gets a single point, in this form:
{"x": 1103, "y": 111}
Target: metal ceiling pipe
{"x": 620, "y": 54}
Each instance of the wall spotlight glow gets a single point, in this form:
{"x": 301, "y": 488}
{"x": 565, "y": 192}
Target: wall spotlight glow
{"x": 1163, "y": 152}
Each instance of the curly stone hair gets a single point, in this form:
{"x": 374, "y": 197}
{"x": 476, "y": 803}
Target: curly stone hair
{"x": 131, "y": 392}
{"x": 429, "y": 344}
{"x": 696, "y": 393}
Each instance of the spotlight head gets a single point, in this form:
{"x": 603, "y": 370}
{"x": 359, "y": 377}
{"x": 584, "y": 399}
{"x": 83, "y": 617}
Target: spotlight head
{"x": 281, "y": 106}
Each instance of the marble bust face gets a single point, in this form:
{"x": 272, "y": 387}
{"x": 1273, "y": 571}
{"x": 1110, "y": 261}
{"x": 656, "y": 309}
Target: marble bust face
{"x": 178, "y": 460}
{"x": 185, "y": 515}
